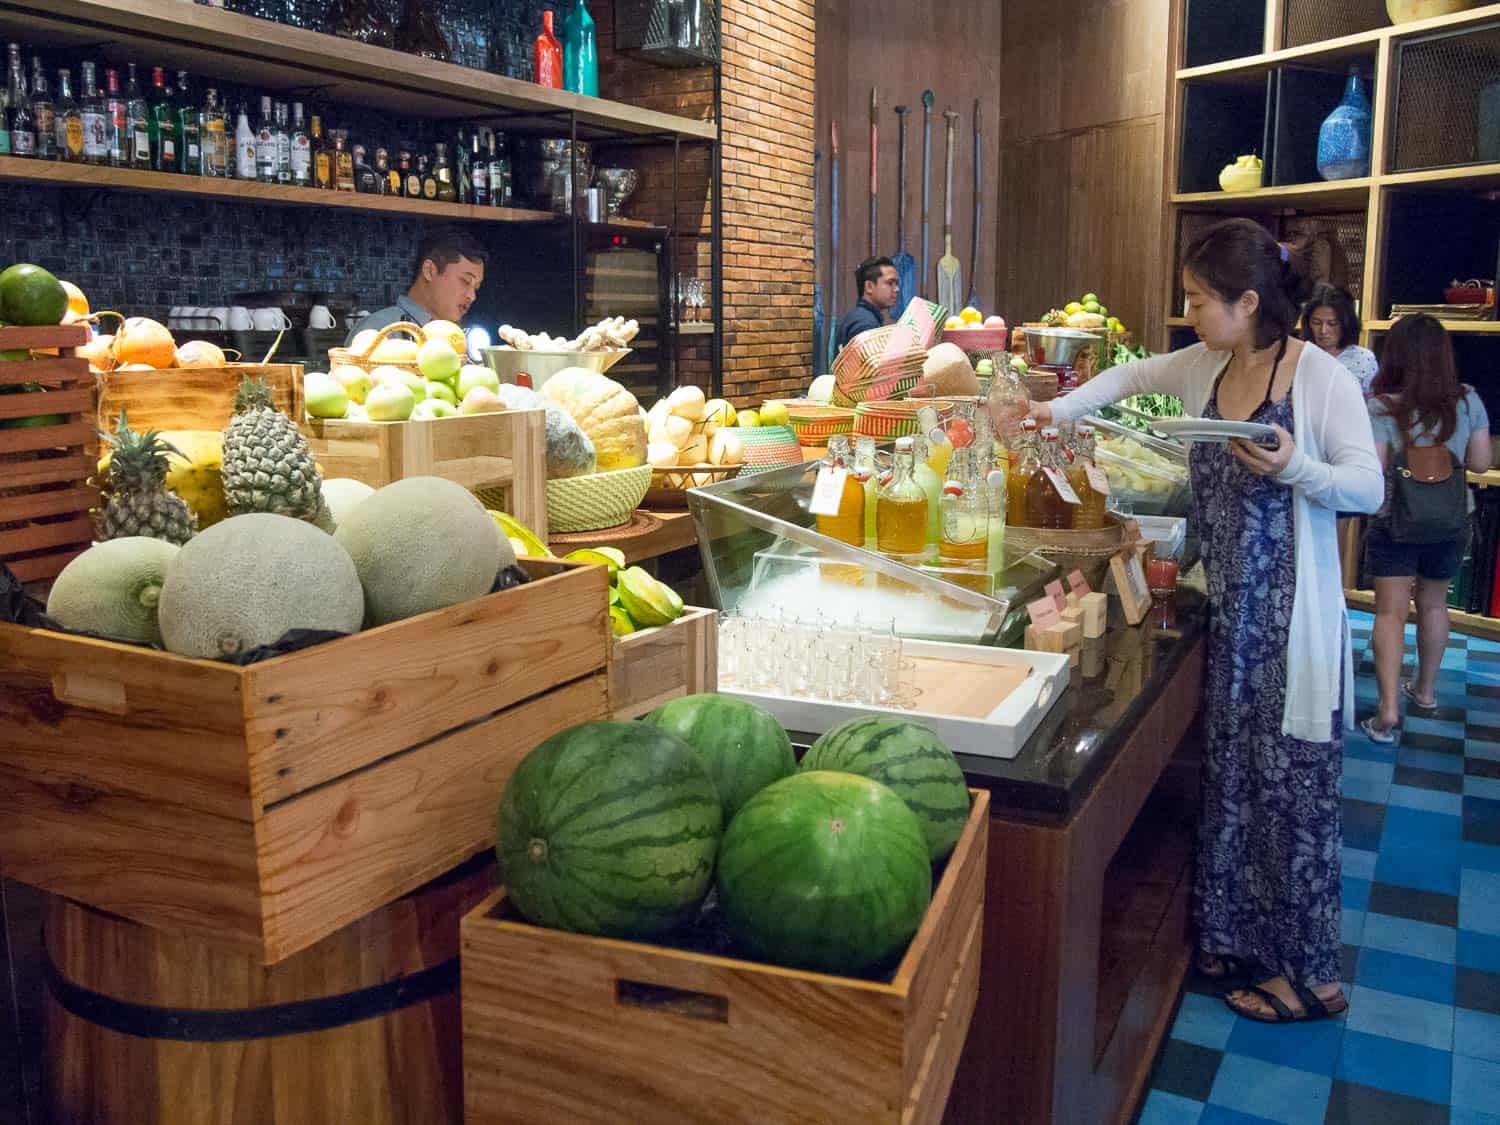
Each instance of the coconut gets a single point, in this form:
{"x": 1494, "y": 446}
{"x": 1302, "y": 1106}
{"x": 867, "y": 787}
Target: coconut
{"x": 421, "y": 544}
{"x": 251, "y": 579}
{"x": 113, "y": 588}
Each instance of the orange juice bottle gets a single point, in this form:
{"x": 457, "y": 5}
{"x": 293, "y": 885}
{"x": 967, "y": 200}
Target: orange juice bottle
{"x": 849, "y": 525}
{"x": 1089, "y": 516}
{"x": 901, "y": 510}
{"x": 1045, "y": 506}
{"x": 1024, "y": 464}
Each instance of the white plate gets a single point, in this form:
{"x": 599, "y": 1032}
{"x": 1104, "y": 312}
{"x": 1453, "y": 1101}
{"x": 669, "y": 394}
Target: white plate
{"x": 1212, "y": 429}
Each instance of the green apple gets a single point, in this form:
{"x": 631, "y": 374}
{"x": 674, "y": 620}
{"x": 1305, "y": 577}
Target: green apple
{"x": 481, "y": 400}
{"x": 325, "y": 396}
{"x": 473, "y": 375}
{"x": 431, "y": 408}
{"x": 402, "y": 378}
{"x": 389, "y": 402}
{"x": 436, "y": 359}
{"x": 443, "y": 391}
{"x": 774, "y": 414}
{"x": 355, "y": 381}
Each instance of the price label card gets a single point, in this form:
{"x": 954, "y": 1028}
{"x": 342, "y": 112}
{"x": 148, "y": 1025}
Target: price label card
{"x": 1058, "y": 595}
{"x": 828, "y": 491}
{"x": 1098, "y": 481}
{"x": 1043, "y": 613}
{"x": 1078, "y": 583}
{"x": 1064, "y": 489}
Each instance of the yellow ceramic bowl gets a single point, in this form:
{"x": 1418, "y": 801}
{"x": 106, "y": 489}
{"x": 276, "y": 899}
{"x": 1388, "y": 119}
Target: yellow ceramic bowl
{"x": 1404, "y": 11}
{"x": 1235, "y": 178}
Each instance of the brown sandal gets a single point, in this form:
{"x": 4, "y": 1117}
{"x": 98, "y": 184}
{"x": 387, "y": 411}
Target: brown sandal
{"x": 1314, "y": 1007}
{"x": 1220, "y": 966}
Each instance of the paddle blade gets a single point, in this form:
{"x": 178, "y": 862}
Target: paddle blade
{"x": 949, "y": 288}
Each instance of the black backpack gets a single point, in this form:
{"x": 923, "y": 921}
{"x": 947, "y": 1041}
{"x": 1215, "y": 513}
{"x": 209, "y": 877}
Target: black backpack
{"x": 1429, "y": 491}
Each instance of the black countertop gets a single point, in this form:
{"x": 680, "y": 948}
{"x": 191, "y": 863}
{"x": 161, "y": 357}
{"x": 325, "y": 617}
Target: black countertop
{"x": 1118, "y": 679}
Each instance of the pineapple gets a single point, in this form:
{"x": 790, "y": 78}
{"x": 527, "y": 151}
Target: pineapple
{"x": 267, "y": 465}
{"x": 139, "y": 503}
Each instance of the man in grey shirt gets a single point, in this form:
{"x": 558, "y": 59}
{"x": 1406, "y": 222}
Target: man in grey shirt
{"x": 450, "y": 270}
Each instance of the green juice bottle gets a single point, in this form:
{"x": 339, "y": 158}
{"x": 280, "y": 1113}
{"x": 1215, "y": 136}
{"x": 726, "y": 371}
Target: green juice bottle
{"x": 932, "y": 485}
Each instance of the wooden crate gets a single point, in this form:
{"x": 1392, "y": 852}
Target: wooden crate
{"x": 560, "y": 1027}
{"x": 503, "y": 451}
{"x": 45, "y": 495}
{"x": 264, "y": 807}
{"x": 650, "y": 666}
{"x": 192, "y": 398}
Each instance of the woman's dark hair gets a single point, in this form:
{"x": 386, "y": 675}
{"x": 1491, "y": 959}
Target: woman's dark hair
{"x": 1340, "y": 304}
{"x": 1239, "y": 255}
{"x": 1418, "y": 379}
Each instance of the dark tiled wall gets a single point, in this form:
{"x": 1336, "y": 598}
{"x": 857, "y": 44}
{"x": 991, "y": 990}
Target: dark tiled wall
{"x": 141, "y": 254}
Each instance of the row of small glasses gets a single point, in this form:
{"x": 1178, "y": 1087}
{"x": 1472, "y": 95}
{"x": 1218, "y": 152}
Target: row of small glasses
{"x": 815, "y": 658}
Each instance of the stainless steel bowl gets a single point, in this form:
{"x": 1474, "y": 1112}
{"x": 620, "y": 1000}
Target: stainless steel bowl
{"x": 1058, "y": 346}
{"x": 556, "y": 148}
{"x": 620, "y": 183}
{"x": 541, "y": 366}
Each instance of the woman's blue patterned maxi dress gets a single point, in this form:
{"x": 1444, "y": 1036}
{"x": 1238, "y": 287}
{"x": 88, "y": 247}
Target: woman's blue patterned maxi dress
{"x": 1267, "y": 882}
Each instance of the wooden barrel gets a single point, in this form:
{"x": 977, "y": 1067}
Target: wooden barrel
{"x": 150, "y": 1028}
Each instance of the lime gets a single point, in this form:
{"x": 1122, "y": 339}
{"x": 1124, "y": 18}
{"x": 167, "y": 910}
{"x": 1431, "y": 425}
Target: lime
{"x": 1091, "y": 306}
{"x": 31, "y": 295}
{"x": 1102, "y": 311}
{"x": 1087, "y": 297}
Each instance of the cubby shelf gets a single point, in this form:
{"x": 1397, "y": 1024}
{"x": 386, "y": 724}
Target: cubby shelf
{"x": 1338, "y": 194}
{"x": 1458, "y": 327}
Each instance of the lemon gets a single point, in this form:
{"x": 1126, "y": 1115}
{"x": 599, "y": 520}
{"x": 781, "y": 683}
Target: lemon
{"x": 1072, "y": 307}
{"x": 953, "y": 322}
{"x": 971, "y": 315}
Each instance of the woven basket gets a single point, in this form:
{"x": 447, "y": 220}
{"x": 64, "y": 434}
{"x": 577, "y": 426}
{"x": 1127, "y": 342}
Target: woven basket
{"x": 1088, "y": 551}
{"x": 897, "y": 417}
{"x": 669, "y": 487}
{"x": 338, "y": 357}
{"x": 815, "y": 422}
{"x": 768, "y": 448}
{"x": 595, "y": 501}
{"x": 879, "y": 364}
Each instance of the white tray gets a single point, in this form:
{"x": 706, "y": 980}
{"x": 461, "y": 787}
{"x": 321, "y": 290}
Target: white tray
{"x": 988, "y": 707}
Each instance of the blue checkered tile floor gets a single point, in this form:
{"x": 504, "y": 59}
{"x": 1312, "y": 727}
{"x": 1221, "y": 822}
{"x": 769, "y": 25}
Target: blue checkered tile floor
{"x": 1420, "y": 1043}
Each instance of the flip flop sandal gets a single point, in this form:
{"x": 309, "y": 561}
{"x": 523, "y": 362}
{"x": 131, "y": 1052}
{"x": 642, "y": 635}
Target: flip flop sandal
{"x": 1385, "y": 737}
{"x": 1230, "y": 967}
{"x": 1313, "y": 1006}
{"x": 1409, "y": 691}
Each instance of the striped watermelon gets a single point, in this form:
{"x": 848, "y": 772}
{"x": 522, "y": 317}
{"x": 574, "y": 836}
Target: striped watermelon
{"x": 609, "y": 828}
{"x": 824, "y": 871}
{"x": 742, "y": 745}
{"x": 911, "y": 760}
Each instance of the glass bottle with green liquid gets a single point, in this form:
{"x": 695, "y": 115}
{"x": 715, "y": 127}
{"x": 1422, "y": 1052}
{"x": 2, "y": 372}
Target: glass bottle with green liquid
{"x": 932, "y": 487}
{"x": 864, "y": 472}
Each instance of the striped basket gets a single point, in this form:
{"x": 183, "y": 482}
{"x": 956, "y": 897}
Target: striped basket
{"x": 596, "y": 500}
{"x": 880, "y": 364}
{"x": 897, "y": 417}
{"x": 815, "y": 422}
{"x": 768, "y": 447}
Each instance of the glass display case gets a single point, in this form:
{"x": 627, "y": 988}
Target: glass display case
{"x": 763, "y": 555}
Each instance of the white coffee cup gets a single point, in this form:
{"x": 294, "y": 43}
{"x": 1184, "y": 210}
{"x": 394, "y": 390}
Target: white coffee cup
{"x": 270, "y": 319}
{"x": 239, "y": 319}
{"x": 220, "y": 317}
{"x": 319, "y": 316}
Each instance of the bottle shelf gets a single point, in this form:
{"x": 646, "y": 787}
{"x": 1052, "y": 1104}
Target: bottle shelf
{"x": 25, "y": 170}
{"x": 279, "y": 57}
{"x": 1338, "y": 194}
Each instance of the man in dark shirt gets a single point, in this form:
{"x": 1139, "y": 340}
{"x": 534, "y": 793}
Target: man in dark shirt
{"x": 450, "y": 270}
{"x": 879, "y": 290}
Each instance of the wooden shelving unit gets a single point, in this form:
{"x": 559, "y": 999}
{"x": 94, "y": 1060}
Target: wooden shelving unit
{"x": 1372, "y": 198}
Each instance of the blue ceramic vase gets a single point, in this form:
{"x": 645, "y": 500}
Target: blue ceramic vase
{"x": 1344, "y": 139}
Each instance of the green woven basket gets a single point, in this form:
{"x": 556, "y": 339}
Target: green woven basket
{"x": 596, "y": 501}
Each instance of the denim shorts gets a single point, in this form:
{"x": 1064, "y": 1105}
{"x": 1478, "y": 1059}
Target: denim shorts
{"x": 1385, "y": 558}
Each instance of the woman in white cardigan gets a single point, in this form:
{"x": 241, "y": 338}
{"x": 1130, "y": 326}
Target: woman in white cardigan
{"x": 1280, "y": 673}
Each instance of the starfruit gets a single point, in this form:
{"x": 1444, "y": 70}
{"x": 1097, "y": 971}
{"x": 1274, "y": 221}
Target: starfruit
{"x": 649, "y": 602}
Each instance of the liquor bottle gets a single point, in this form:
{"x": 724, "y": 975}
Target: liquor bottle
{"x": 1025, "y": 462}
{"x": 546, "y": 56}
{"x": 901, "y": 509}
{"x": 415, "y": 174}
{"x": 463, "y": 183}
{"x": 68, "y": 120}
{"x": 365, "y": 180}
{"x": 1090, "y": 514}
{"x": 22, "y": 125}
{"x": 138, "y": 122}
{"x": 91, "y": 110}
{"x": 1045, "y": 505}
{"x": 5, "y": 97}
{"x": 479, "y": 171}
{"x": 343, "y": 161}
{"x": 116, "y": 118}
{"x": 245, "y": 145}
{"x": 301, "y": 155}
{"x": 418, "y": 32}
{"x": 429, "y": 179}
{"x": 580, "y": 51}
{"x": 163, "y": 123}
{"x": 43, "y": 118}
{"x": 322, "y": 154}
{"x": 447, "y": 191}
{"x": 189, "y": 133}
{"x": 215, "y": 138}
{"x": 283, "y": 144}
{"x": 387, "y": 181}
{"x": 864, "y": 472}
{"x": 965, "y": 510}
{"x": 265, "y": 144}
{"x": 400, "y": 171}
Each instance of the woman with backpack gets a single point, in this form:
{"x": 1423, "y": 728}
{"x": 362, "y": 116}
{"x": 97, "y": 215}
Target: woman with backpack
{"x": 1428, "y": 429}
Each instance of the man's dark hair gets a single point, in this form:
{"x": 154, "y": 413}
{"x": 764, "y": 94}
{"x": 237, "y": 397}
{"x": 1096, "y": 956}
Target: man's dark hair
{"x": 446, "y": 245}
{"x": 869, "y": 270}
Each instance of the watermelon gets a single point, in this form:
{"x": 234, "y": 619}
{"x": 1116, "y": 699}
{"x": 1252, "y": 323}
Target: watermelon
{"x": 824, "y": 871}
{"x": 742, "y": 745}
{"x": 609, "y": 828}
{"x": 911, "y": 760}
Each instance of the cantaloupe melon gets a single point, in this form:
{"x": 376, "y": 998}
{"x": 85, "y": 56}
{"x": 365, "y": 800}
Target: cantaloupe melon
{"x": 250, "y": 579}
{"x": 343, "y": 495}
{"x": 421, "y": 544}
{"x": 112, "y": 589}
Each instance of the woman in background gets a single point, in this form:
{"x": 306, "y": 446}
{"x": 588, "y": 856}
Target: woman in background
{"x": 1280, "y": 676}
{"x": 1418, "y": 401}
{"x": 1330, "y": 322}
